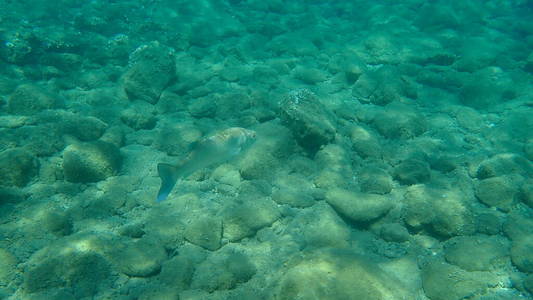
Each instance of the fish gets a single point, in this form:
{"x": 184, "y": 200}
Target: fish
{"x": 212, "y": 150}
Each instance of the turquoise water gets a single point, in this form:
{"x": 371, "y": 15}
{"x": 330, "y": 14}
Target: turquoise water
{"x": 388, "y": 150}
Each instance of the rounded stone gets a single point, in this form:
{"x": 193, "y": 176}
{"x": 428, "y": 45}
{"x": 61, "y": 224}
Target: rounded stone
{"x": 375, "y": 181}
{"x": 358, "y": 207}
{"x": 91, "y": 161}
{"x": 140, "y": 258}
{"x": 205, "y": 232}
{"x": 521, "y": 253}
{"x": 29, "y": 99}
{"x": 18, "y": 167}
{"x": 476, "y": 253}
{"x": 394, "y": 232}
{"x": 412, "y": 171}
{"x": 496, "y": 192}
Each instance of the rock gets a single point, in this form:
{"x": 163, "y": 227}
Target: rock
{"x": 8, "y": 264}
{"x": 336, "y": 272}
{"x": 204, "y": 107}
{"x": 503, "y": 164}
{"x": 91, "y": 161}
{"x": 75, "y": 263}
{"x": 139, "y": 116}
{"x": 18, "y": 167}
{"x": 382, "y": 87}
{"x": 309, "y": 75}
{"x": 399, "y": 122}
{"x": 489, "y": 223}
{"x": 140, "y": 258}
{"x": 294, "y": 190}
{"x": 358, "y": 207}
{"x": 30, "y": 99}
{"x": 487, "y": 87}
{"x": 232, "y": 268}
{"x": 334, "y": 167}
{"x": 375, "y": 181}
{"x": 528, "y": 282}
{"x": 58, "y": 223}
{"x": 412, "y": 171}
{"x": 310, "y": 122}
{"x": 227, "y": 174}
{"x": 364, "y": 142}
{"x": 477, "y": 253}
{"x": 245, "y": 219}
{"x": 442, "y": 281}
{"x": 317, "y": 227}
{"x": 177, "y": 272}
{"x": 521, "y": 253}
{"x": 497, "y": 192}
{"x": 84, "y": 128}
{"x": 205, "y": 232}
{"x": 526, "y": 193}
{"x": 152, "y": 69}
{"x": 394, "y": 232}
{"x": 518, "y": 225}
{"x": 446, "y": 211}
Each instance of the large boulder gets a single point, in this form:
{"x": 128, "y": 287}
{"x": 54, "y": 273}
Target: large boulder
{"x": 358, "y": 207}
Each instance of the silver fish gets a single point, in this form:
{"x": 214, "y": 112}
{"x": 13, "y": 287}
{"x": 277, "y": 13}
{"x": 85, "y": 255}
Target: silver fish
{"x": 215, "y": 149}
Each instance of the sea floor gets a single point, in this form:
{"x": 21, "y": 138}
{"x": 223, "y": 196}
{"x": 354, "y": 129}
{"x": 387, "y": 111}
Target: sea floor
{"x": 393, "y": 157}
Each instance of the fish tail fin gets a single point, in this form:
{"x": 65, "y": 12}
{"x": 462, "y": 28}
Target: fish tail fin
{"x": 169, "y": 175}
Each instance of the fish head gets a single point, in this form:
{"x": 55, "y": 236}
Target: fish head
{"x": 246, "y": 138}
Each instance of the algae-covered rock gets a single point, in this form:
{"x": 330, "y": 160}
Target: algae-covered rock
{"x": 309, "y": 75}
{"x": 91, "y": 161}
{"x": 223, "y": 271}
{"x": 76, "y": 263}
{"x": 476, "y": 253}
{"x": 18, "y": 167}
{"x": 394, "y": 232}
{"x": 139, "y": 116}
{"x": 205, "y": 232}
{"x": 400, "y": 122}
{"x": 29, "y": 99}
{"x": 521, "y": 253}
{"x": 84, "y": 128}
{"x": 311, "y": 123}
{"x": 503, "y": 164}
{"x": 382, "y": 87}
{"x": 317, "y": 227}
{"x": 446, "y": 212}
{"x": 442, "y": 281}
{"x": 294, "y": 190}
{"x": 177, "y": 272}
{"x": 358, "y": 207}
{"x": 497, "y": 192}
{"x": 336, "y": 274}
{"x": 412, "y": 171}
{"x": 8, "y": 263}
{"x": 365, "y": 142}
{"x": 375, "y": 181}
{"x": 334, "y": 165}
{"x": 245, "y": 219}
{"x": 140, "y": 258}
{"x": 152, "y": 69}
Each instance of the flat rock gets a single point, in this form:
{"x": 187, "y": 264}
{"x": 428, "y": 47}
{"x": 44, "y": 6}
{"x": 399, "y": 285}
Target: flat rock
{"x": 245, "y": 219}
{"x": 29, "y": 99}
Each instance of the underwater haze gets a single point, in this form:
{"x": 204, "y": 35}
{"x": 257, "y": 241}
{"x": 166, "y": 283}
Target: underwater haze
{"x": 304, "y": 149}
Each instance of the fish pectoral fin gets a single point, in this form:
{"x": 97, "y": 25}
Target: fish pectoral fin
{"x": 169, "y": 175}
